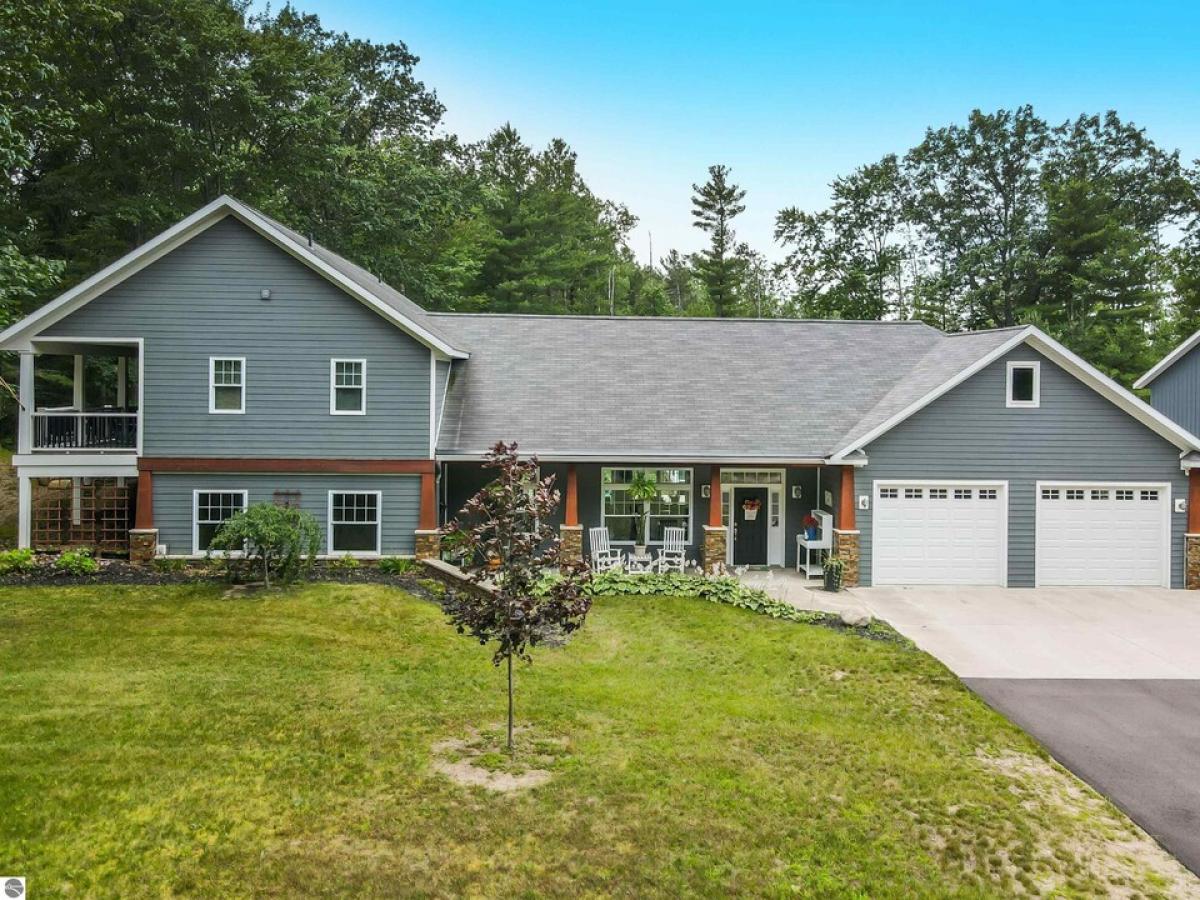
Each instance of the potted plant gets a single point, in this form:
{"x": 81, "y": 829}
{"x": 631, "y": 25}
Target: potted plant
{"x": 835, "y": 570}
{"x": 811, "y": 524}
{"x": 642, "y": 489}
{"x": 750, "y": 509}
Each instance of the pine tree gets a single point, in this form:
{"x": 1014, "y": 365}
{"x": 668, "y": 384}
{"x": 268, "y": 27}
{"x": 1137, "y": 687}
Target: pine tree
{"x": 714, "y": 207}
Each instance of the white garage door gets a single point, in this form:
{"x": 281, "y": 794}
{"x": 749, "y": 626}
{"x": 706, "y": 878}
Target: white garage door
{"x": 1098, "y": 534}
{"x": 939, "y": 533}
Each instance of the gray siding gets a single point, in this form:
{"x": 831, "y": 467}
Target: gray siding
{"x": 441, "y": 377}
{"x": 203, "y": 300}
{"x": 1075, "y": 434}
{"x": 401, "y": 503}
{"x": 1176, "y": 392}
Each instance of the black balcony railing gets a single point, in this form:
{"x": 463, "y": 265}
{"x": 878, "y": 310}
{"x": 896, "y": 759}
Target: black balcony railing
{"x": 85, "y": 431}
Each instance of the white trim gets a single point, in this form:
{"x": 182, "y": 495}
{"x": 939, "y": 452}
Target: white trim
{"x": 333, "y": 386}
{"x": 442, "y": 409}
{"x": 1003, "y": 498}
{"x": 212, "y": 392}
{"x": 105, "y": 469}
{"x": 1013, "y": 365}
{"x": 19, "y": 334}
{"x": 378, "y": 526}
{"x": 26, "y": 403}
{"x": 1163, "y": 486}
{"x": 56, "y": 462}
{"x": 1071, "y": 363}
{"x": 77, "y": 392}
{"x": 196, "y": 551}
{"x": 776, "y": 555}
{"x": 671, "y": 461}
{"x": 24, "y": 510}
{"x": 690, "y": 537}
{"x": 1167, "y": 361}
{"x": 432, "y": 404}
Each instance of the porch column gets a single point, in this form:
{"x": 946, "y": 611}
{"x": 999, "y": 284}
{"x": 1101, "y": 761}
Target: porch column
{"x": 143, "y": 537}
{"x": 122, "y": 378}
{"x": 570, "y": 533}
{"x": 25, "y": 397}
{"x": 845, "y": 532}
{"x": 713, "y": 550}
{"x": 24, "y": 511}
{"x": 1191, "y": 541}
{"x": 428, "y": 543}
{"x": 77, "y": 382}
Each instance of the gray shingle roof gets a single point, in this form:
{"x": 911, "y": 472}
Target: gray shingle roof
{"x": 690, "y": 389}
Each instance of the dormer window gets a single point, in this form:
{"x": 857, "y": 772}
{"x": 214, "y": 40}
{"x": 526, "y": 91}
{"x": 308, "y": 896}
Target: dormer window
{"x": 1024, "y": 384}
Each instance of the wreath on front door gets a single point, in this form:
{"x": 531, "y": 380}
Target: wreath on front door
{"x": 750, "y": 509}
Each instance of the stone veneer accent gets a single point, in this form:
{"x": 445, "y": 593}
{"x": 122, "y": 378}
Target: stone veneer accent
{"x": 845, "y": 545}
{"x": 1191, "y": 562}
{"x": 713, "y": 553}
{"x": 570, "y": 539}
{"x": 429, "y": 544}
{"x": 143, "y": 544}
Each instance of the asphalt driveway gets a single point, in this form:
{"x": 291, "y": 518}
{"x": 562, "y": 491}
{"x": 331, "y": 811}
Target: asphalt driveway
{"x": 1107, "y": 679}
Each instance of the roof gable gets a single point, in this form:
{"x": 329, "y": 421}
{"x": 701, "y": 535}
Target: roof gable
{"x": 389, "y": 303}
{"x": 1167, "y": 361}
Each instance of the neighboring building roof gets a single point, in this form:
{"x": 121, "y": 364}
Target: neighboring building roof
{"x": 737, "y": 390}
{"x": 388, "y": 302}
{"x": 1167, "y": 361}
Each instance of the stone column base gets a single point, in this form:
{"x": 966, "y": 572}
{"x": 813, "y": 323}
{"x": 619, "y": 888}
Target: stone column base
{"x": 570, "y": 544}
{"x": 143, "y": 545}
{"x": 429, "y": 544}
{"x": 1191, "y": 561}
{"x": 845, "y": 545}
{"x": 712, "y": 556}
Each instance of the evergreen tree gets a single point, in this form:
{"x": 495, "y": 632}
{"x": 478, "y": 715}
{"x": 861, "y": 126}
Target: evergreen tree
{"x": 714, "y": 207}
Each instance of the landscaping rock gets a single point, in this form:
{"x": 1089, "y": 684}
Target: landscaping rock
{"x": 855, "y": 618}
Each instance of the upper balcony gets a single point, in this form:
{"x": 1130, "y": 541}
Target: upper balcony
{"x": 81, "y": 396}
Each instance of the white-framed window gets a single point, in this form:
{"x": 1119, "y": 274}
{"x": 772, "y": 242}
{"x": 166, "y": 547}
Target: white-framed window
{"x": 210, "y": 509}
{"x": 672, "y": 508}
{"x": 347, "y": 387}
{"x": 1024, "y": 384}
{"x": 227, "y": 384}
{"x": 354, "y": 523}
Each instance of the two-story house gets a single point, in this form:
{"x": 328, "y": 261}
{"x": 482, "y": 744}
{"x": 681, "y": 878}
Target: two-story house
{"x": 248, "y": 364}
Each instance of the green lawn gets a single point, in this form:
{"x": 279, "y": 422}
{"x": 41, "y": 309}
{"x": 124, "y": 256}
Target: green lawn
{"x": 168, "y": 741}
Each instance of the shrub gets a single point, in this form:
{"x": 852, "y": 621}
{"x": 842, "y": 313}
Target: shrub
{"x": 345, "y": 563}
{"x": 17, "y": 562}
{"x": 397, "y": 565}
{"x": 77, "y": 562}
{"x": 169, "y": 565}
{"x": 269, "y": 541}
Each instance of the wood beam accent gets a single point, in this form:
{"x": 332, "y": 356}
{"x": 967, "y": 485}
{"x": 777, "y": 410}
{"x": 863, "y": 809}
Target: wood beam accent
{"x": 145, "y": 500}
{"x": 714, "y": 498}
{"x": 1193, "y": 509}
{"x": 278, "y": 466}
{"x": 845, "y": 506}
{"x": 428, "y": 520}
{"x": 571, "y": 510}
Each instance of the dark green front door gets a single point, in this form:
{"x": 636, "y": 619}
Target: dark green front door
{"x": 750, "y": 527}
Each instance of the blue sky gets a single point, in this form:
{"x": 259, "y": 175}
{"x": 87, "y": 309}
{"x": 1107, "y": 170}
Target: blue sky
{"x": 789, "y": 95}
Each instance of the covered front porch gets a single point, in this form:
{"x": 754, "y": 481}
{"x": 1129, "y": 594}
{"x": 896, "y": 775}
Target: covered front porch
{"x": 734, "y": 514}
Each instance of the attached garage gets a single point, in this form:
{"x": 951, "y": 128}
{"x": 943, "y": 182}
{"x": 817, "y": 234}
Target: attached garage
{"x": 1115, "y": 533}
{"x": 940, "y": 532}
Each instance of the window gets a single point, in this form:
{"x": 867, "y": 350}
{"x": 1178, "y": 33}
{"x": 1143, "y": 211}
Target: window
{"x": 347, "y": 387}
{"x": 354, "y": 522}
{"x": 1100, "y": 495}
{"x": 937, "y": 493}
{"x": 1024, "y": 384}
{"x": 1074, "y": 494}
{"x": 987, "y": 494}
{"x": 227, "y": 385}
{"x": 1124, "y": 495}
{"x": 672, "y": 508}
{"x": 912, "y": 493}
{"x": 1149, "y": 495}
{"x": 1049, "y": 493}
{"x": 962, "y": 493}
{"x": 210, "y": 510}
{"x": 889, "y": 493}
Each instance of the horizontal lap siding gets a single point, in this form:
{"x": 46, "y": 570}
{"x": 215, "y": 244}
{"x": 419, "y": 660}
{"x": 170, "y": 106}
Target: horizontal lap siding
{"x": 1176, "y": 392}
{"x": 1075, "y": 434}
{"x": 400, "y": 500}
{"x": 203, "y": 300}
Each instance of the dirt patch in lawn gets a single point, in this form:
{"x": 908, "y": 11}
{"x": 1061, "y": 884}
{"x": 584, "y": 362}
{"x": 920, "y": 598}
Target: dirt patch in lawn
{"x": 482, "y": 759}
{"x": 1113, "y": 856}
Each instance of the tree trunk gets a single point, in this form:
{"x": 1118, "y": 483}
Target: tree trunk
{"x": 510, "y": 705}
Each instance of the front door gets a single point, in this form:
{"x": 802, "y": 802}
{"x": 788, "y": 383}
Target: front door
{"x": 749, "y": 526}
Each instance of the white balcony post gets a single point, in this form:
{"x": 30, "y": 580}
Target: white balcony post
{"x": 25, "y": 395}
{"x": 122, "y": 363}
{"x": 24, "y": 510}
{"x": 77, "y": 386}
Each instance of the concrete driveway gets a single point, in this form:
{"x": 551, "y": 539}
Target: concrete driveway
{"x": 1107, "y": 679}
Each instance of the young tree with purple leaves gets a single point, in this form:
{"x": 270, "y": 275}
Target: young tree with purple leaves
{"x": 507, "y": 550}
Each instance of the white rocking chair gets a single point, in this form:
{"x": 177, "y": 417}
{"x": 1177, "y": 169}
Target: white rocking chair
{"x": 604, "y": 557}
{"x": 671, "y": 556}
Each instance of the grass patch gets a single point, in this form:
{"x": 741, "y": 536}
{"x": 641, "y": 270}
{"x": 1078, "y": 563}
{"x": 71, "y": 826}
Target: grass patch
{"x": 165, "y": 740}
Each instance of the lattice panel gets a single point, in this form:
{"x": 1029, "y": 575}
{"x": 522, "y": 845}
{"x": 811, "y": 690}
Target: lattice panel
{"x": 94, "y": 513}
